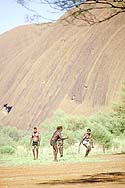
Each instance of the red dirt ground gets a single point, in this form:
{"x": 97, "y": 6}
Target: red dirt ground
{"x": 109, "y": 174}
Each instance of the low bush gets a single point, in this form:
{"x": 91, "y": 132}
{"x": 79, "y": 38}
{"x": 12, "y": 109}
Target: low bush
{"x": 7, "y": 150}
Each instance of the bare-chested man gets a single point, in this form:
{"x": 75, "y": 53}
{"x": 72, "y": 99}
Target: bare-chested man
{"x": 35, "y": 141}
{"x": 54, "y": 142}
{"x": 87, "y": 141}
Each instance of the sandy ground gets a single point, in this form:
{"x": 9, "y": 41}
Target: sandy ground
{"x": 107, "y": 174}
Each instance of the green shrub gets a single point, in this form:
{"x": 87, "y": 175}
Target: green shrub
{"x": 107, "y": 129}
{"x": 102, "y": 136}
{"x": 12, "y": 132}
{"x": 7, "y": 150}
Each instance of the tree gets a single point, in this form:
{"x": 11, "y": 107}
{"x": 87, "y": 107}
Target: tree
{"x": 119, "y": 112}
{"x": 119, "y": 108}
{"x": 102, "y": 136}
{"x": 90, "y": 11}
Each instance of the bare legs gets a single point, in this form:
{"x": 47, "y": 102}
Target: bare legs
{"x": 61, "y": 151}
{"x": 88, "y": 149}
{"x": 55, "y": 152}
{"x": 35, "y": 152}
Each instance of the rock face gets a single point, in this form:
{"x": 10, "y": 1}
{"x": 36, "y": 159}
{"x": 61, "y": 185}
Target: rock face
{"x": 55, "y": 66}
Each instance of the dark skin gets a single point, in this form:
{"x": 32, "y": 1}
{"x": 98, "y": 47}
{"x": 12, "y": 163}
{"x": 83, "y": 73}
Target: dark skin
{"x": 88, "y": 146}
{"x": 60, "y": 147}
{"x": 35, "y": 148}
{"x": 55, "y": 142}
{"x": 55, "y": 148}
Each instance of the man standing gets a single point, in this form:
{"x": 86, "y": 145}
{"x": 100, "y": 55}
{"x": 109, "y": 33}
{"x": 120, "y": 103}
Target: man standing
{"x": 87, "y": 141}
{"x": 35, "y": 141}
{"x": 54, "y": 142}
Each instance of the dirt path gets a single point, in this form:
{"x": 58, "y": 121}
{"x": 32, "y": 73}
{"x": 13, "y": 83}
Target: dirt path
{"x": 107, "y": 174}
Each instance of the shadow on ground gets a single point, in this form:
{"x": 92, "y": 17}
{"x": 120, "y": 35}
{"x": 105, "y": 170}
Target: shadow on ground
{"x": 118, "y": 177}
